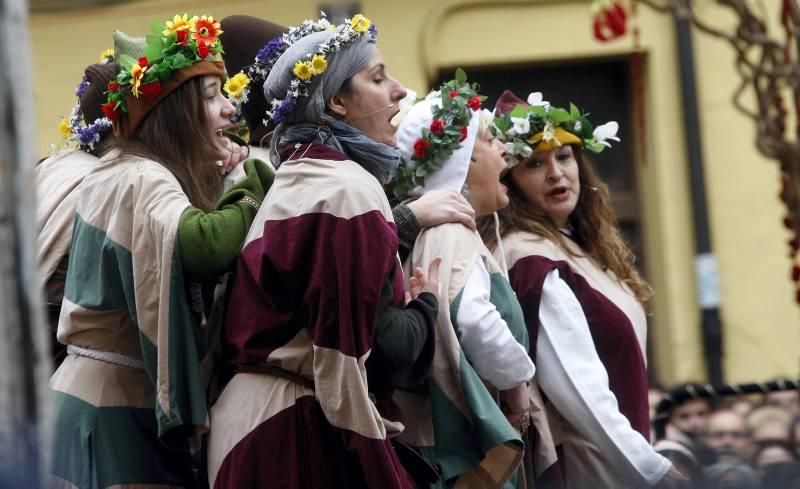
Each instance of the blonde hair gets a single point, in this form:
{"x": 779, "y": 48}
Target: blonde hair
{"x": 593, "y": 223}
{"x": 485, "y": 121}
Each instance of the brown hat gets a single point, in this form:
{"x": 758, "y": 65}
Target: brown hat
{"x": 243, "y": 36}
{"x": 95, "y": 94}
{"x": 139, "y": 107}
{"x": 507, "y": 101}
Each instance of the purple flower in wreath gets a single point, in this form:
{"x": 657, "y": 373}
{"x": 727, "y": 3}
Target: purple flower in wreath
{"x": 373, "y": 30}
{"x": 286, "y": 108}
{"x": 88, "y": 135}
{"x": 82, "y": 86}
{"x": 270, "y": 51}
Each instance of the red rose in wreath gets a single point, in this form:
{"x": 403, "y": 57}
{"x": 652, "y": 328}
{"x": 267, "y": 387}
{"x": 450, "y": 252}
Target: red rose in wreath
{"x": 421, "y": 148}
{"x": 437, "y": 127}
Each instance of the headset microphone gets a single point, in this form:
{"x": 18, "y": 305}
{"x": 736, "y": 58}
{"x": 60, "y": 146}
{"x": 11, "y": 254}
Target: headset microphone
{"x": 369, "y": 114}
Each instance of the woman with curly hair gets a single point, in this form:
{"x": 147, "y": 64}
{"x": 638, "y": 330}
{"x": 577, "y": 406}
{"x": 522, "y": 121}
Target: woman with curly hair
{"x": 582, "y": 298}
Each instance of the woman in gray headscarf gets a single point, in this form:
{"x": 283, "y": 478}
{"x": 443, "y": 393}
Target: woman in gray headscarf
{"x": 319, "y": 328}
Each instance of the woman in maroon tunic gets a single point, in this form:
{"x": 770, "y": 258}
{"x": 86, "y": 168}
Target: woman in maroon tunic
{"x": 582, "y": 299}
{"x": 317, "y": 329}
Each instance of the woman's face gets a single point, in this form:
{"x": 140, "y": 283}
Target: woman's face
{"x": 218, "y": 108}
{"x": 371, "y": 101}
{"x": 550, "y": 182}
{"x": 488, "y": 165}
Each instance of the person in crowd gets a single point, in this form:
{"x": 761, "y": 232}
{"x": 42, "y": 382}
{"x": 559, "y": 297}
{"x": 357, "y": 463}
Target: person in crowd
{"x": 731, "y": 475}
{"x": 248, "y": 42}
{"x": 317, "y": 330}
{"x": 691, "y": 416}
{"x": 742, "y": 404}
{"x": 581, "y": 295}
{"x": 786, "y": 399}
{"x": 728, "y": 435}
{"x": 684, "y": 460}
{"x": 86, "y": 136}
{"x": 794, "y": 435}
{"x": 481, "y": 337}
{"x": 772, "y": 452}
{"x": 769, "y": 423}
{"x": 150, "y": 221}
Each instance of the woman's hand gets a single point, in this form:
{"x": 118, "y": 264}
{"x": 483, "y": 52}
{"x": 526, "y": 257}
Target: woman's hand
{"x": 231, "y": 154}
{"x": 419, "y": 283}
{"x": 442, "y": 206}
{"x": 516, "y": 403}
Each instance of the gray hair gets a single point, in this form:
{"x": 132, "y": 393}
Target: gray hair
{"x": 342, "y": 65}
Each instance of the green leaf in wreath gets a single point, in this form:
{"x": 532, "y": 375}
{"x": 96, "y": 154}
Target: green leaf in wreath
{"x": 519, "y": 111}
{"x": 127, "y": 62}
{"x": 574, "y": 112}
{"x": 559, "y": 116}
{"x": 157, "y": 27}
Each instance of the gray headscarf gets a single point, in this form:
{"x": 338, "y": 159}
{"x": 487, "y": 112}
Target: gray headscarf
{"x": 309, "y": 121}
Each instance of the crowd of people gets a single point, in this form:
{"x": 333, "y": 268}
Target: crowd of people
{"x": 368, "y": 289}
{"x": 745, "y": 441}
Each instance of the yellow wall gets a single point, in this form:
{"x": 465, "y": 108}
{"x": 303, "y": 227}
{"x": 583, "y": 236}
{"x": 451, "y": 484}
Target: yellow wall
{"x": 762, "y": 332}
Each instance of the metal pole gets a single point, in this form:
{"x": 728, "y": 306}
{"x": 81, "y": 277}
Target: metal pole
{"x": 706, "y": 269}
{"x": 24, "y": 364}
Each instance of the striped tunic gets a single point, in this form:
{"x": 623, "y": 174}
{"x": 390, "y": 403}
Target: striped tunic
{"x": 125, "y": 418}
{"x": 57, "y": 179}
{"x": 453, "y": 419}
{"x": 305, "y": 300}
{"x": 590, "y": 334}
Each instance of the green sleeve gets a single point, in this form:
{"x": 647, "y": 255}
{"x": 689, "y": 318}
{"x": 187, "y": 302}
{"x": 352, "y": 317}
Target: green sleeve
{"x": 504, "y": 299}
{"x": 210, "y": 241}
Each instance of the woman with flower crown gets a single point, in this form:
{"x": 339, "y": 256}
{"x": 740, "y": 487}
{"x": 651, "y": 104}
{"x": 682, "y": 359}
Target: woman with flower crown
{"x": 250, "y": 43}
{"x": 129, "y": 399}
{"x": 57, "y": 178}
{"x": 453, "y": 418}
{"x": 582, "y": 299}
{"x": 319, "y": 329}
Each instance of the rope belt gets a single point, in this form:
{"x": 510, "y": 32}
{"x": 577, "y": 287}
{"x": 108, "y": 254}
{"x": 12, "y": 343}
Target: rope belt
{"x": 275, "y": 371}
{"x": 106, "y": 356}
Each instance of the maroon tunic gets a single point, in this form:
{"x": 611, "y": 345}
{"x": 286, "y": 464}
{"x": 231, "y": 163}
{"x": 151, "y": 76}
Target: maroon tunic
{"x": 305, "y": 299}
{"x": 616, "y": 322}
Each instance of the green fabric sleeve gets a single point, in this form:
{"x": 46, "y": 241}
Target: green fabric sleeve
{"x": 210, "y": 241}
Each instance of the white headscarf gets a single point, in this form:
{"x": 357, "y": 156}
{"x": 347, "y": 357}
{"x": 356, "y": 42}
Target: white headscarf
{"x": 454, "y": 170}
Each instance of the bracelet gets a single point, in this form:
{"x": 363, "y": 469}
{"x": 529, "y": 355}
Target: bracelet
{"x": 251, "y": 202}
{"x": 524, "y": 422}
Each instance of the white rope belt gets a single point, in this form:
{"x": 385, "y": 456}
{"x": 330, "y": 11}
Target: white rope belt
{"x": 106, "y": 356}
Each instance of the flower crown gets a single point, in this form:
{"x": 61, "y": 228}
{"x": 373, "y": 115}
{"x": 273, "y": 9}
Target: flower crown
{"x": 316, "y": 63}
{"x": 174, "y": 45}
{"x": 238, "y": 86}
{"x": 540, "y": 127}
{"x": 443, "y": 137}
{"x": 74, "y": 129}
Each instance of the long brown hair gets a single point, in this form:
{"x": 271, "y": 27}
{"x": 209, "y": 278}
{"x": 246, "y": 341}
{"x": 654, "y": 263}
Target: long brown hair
{"x": 176, "y": 134}
{"x": 593, "y": 223}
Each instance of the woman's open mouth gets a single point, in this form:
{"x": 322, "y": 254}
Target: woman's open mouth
{"x": 559, "y": 193}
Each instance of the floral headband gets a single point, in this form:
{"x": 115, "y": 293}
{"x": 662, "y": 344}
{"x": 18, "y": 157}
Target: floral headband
{"x": 315, "y": 64}
{"x": 176, "y": 44}
{"x": 538, "y": 127}
{"x": 443, "y": 137}
{"x": 74, "y": 129}
{"x": 238, "y": 86}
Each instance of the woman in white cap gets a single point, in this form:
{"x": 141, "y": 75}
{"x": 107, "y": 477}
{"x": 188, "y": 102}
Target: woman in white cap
{"x": 453, "y": 418}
